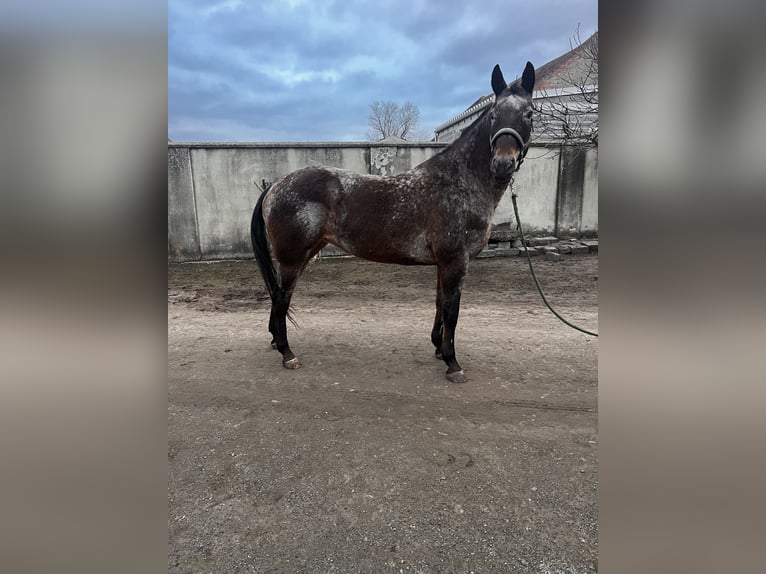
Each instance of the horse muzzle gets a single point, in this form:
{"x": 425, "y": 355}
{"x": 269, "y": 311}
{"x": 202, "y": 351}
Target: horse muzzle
{"x": 502, "y": 168}
{"x": 506, "y": 161}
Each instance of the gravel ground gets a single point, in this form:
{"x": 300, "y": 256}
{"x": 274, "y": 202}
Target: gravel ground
{"x": 367, "y": 459}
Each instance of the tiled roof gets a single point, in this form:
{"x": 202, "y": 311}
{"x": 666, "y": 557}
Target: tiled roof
{"x": 568, "y": 69}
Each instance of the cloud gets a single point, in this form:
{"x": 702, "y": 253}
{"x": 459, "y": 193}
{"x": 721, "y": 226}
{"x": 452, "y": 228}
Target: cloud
{"x": 309, "y": 70}
{"x": 226, "y": 6}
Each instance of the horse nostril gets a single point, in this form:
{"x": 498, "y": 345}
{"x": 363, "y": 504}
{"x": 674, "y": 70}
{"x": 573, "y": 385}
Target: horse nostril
{"x": 503, "y": 170}
{"x": 503, "y": 165}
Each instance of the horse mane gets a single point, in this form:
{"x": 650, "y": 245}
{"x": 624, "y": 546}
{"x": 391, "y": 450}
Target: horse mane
{"x": 464, "y": 135}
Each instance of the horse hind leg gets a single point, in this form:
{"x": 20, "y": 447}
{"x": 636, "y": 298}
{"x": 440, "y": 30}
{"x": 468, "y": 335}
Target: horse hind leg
{"x": 289, "y": 272}
{"x": 280, "y": 307}
{"x": 298, "y": 237}
{"x": 272, "y": 327}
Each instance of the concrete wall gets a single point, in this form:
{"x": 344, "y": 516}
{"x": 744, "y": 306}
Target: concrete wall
{"x": 213, "y": 188}
{"x": 536, "y": 184}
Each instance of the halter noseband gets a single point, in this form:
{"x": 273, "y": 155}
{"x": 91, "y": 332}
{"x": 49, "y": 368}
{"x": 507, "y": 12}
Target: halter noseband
{"x": 524, "y": 147}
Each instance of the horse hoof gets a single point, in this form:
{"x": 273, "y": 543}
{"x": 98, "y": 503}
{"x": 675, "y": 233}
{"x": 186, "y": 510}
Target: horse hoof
{"x": 293, "y": 363}
{"x": 456, "y": 377}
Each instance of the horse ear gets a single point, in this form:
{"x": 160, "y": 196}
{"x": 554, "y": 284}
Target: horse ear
{"x": 498, "y": 82}
{"x": 528, "y": 78}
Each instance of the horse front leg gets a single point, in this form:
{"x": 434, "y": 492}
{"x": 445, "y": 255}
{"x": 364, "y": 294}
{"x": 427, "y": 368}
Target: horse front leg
{"x": 436, "y": 332}
{"x": 452, "y": 278}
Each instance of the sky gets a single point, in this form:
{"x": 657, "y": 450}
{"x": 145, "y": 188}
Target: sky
{"x": 308, "y": 70}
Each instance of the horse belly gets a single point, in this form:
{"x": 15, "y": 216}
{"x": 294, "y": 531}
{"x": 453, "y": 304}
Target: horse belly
{"x": 380, "y": 219}
{"x": 384, "y": 241}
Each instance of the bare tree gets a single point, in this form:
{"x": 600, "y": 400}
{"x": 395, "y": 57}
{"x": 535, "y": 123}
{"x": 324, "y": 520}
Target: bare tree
{"x": 571, "y": 114}
{"x": 390, "y": 119}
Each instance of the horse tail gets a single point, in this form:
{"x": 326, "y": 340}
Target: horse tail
{"x": 261, "y": 248}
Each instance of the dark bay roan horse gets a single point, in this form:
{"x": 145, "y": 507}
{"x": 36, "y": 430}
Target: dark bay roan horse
{"x": 438, "y": 213}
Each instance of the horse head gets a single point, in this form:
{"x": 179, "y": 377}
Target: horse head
{"x": 510, "y": 123}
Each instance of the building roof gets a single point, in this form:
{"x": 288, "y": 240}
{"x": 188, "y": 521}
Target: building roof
{"x": 572, "y": 68}
{"x": 569, "y": 69}
{"x": 479, "y": 104}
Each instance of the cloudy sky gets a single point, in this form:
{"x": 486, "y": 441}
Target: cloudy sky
{"x": 307, "y": 70}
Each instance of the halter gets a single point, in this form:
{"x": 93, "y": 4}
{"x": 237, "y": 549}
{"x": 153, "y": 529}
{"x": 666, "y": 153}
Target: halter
{"x": 524, "y": 147}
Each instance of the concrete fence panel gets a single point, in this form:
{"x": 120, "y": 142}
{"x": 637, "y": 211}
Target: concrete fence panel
{"x": 213, "y": 187}
{"x": 589, "y": 225}
{"x": 536, "y": 184}
{"x": 183, "y": 237}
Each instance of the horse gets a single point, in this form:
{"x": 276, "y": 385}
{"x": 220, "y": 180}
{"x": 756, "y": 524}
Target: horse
{"x": 438, "y": 213}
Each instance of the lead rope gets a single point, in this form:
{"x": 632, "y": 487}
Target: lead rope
{"x": 531, "y": 269}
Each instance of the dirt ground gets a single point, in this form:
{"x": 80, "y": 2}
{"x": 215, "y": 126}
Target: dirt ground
{"x": 367, "y": 459}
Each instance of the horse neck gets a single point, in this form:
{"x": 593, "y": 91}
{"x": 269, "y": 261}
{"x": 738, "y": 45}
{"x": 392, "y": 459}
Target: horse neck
{"x": 471, "y": 154}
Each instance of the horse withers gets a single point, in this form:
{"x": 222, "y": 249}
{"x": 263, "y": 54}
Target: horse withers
{"x": 438, "y": 213}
